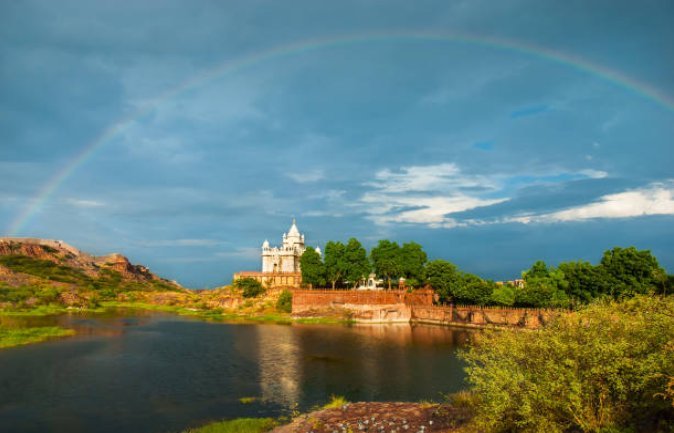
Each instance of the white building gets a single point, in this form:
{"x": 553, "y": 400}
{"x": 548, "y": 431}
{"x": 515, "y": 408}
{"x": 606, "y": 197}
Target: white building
{"x": 285, "y": 258}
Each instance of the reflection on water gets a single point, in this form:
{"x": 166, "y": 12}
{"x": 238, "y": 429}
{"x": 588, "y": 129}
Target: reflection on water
{"x": 279, "y": 364}
{"x": 150, "y": 372}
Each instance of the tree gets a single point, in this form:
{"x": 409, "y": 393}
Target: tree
{"x": 471, "y": 289}
{"x": 585, "y": 281}
{"x": 250, "y": 287}
{"x": 356, "y": 264}
{"x": 313, "y": 270}
{"x": 544, "y": 287}
{"x": 442, "y": 275}
{"x": 334, "y": 262}
{"x": 386, "y": 260}
{"x": 631, "y": 271}
{"x": 503, "y": 295}
{"x": 412, "y": 261}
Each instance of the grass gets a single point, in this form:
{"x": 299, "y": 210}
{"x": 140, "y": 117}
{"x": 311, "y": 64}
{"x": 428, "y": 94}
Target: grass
{"x": 10, "y": 337}
{"x": 336, "y": 401}
{"x": 247, "y": 400}
{"x": 49, "y": 310}
{"x": 239, "y": 425}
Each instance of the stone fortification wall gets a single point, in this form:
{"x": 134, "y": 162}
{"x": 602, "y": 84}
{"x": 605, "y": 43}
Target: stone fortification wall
{"x": 473, "y": 315}
{"x": 417, "y": 306}
{"x": 361, "y": 305}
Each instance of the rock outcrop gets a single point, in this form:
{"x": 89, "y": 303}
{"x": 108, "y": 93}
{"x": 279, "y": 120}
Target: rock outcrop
{"x": 63, "y": 254}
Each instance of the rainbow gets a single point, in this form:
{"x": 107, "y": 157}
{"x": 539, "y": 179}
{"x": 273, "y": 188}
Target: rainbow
{"x": 297, "y": 48}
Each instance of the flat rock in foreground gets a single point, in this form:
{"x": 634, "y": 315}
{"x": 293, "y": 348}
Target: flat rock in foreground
{"x": 377, "y": 417}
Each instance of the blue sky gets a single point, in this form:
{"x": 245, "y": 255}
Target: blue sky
{"x": 493, "y": 133}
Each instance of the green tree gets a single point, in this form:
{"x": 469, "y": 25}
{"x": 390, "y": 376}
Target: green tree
{"x": 285, "y": 301}
{"x": 313, "y": 269}
{"x": 605, "y": 368}
{"x": 412, "y": 261}
{"x": 631, "y": 271}
{"x": 334, "y": 262}
{"x": 250, "y": 287}
{"x": 386, "y": 260}
{"x": 503, "y": 295}
{"x": 544, "y": 287}
{"x": 584, "y": 281}
{"x": 442, "y": 276}
{"x": 356, "y": 264}
{"x": 471, "y": 289}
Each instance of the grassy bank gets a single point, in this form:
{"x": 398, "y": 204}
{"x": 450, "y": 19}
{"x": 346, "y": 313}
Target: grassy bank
{"x": 240, "y": 425}
{"x": 10, "y": 337}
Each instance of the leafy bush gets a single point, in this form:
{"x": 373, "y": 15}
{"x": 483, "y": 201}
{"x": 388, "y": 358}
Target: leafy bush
{"x": 285, "y": 302}
{"x": 250, "y": 287}
{"x": 604, "y": 368}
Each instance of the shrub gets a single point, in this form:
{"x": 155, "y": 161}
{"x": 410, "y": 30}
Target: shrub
{"x": 285, "y": 302}
{"x": 250, "y": 287}
{"x": 603, "y": 368}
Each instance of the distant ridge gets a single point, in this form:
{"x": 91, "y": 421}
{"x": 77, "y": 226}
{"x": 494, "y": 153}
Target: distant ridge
{"x": 66, "y": 255}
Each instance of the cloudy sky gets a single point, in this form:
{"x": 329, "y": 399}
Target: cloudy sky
{"x": 184, "y": 133}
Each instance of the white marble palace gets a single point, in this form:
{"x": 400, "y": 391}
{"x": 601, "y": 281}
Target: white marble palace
{"x": 281, "y": 265}
{"x": 285, "y": 258}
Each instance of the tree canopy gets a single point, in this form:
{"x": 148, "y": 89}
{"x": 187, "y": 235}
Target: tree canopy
{"x": 313, "y": 270}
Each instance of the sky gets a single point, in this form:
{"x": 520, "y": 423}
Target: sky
{"x": 183, "y": 134}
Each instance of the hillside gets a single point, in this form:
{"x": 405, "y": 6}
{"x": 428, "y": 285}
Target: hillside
{"x": 37, "y": 272}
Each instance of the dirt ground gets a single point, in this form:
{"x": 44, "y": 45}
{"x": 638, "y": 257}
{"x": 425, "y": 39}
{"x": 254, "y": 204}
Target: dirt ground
{"x": 378, "y": 417}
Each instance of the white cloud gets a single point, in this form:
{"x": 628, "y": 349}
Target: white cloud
{"x": 426, "y": 195}
{"x": 307, "y": 176}
{"x": 655, "y": 199}
{"x": 432, "y": 194}
{"x": 593, "y": 174}
{"x": 181, "y": 243}
{"x": 85, "y": 203}
{"x": 244, "y": 252}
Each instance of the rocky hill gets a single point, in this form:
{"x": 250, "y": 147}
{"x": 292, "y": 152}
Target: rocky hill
{"x": 29, "y": 261}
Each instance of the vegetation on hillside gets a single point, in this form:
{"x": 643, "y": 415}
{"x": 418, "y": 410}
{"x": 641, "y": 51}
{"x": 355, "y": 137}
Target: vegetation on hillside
{"x": 609, "y": 367}
{"x": 250, "y": 287}
{"x": 52, "y": 283}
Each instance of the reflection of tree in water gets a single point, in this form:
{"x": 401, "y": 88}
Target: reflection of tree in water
{"x": 279, "y": 364}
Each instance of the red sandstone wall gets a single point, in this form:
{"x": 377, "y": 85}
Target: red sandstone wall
{"x": 473, "y": 315}
{"x": 304, "y": 299}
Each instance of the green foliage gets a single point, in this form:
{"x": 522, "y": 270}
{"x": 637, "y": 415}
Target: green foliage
{"x": 313, "y": 270}
{"x": 632, "y": 271}
{"x": 503, "y": 295}
{"x": 239, "y": 425}
{"x": 471, "y": 289}
{"x": 335, "y": 267}
{"x": 250, "y": 287}
{"x": 412, "y": 261}
{"x": 285, "y": 302}
{"x": 356, "y": 264}
{"x": 585, "y": 281}
{"x": 386, "y": 260}
{"x": 44, "y": 269}
{"x": 604, "y": 368}
{"x": 442, "y": 276}
{"x": 17, "y": 336}
{"x": 336, "y": 402}
{"x": 545, "y": 287}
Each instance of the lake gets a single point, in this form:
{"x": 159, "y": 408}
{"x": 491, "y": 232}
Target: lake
{"x": 146, "y": 372}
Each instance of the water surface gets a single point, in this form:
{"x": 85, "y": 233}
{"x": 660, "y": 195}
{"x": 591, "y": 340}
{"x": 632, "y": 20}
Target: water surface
{"x": 152, "y": 372}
